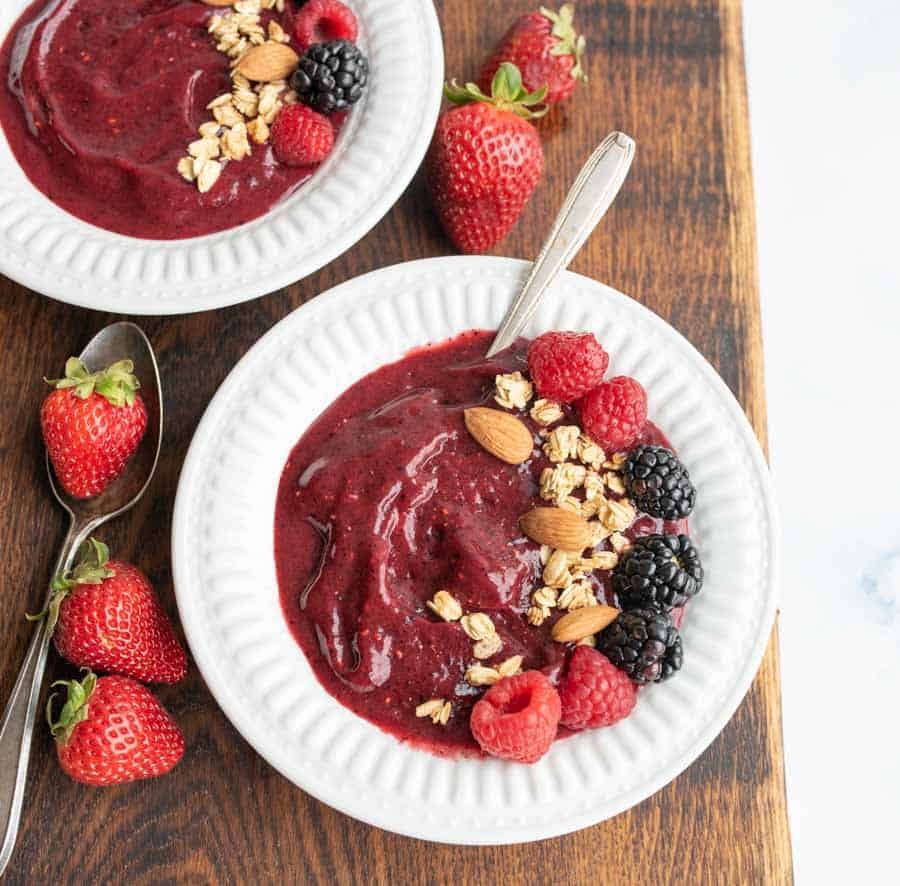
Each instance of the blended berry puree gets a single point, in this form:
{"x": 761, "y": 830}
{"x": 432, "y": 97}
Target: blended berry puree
{"x": 387, "y": 499}
{"x": 102, "y": 99}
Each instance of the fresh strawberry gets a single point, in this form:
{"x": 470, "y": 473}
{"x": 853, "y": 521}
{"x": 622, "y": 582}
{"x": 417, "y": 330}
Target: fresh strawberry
{"x": 105, "y": 615}
{"x": 111, "y": 730}
{"x": 92, "y": 423}
{"x": 546, "y": 49}
{"x": 485, "y": 159}
{"x": 320, "y": 21}
{"x": 301, "y": 136}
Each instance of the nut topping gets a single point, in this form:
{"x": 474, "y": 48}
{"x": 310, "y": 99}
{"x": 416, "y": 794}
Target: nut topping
{"x": 268, "y": 61}
{"x": 581, "y": 623}
{"x": 500, "y": 433}
{"x": 558, "y": 528}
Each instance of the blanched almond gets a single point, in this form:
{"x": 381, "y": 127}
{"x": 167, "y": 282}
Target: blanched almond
{"x": 267, "y": 62}
{"x": 500, "y": 433}
{"x": 581, "y": 623}
{"x": 557, "y": 527}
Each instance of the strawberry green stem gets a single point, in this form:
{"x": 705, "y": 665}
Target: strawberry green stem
{"x": 75, "y": 709}
{"x": 507, "y": 93}
{"x": 117, "y": 383}
{"x": 91, "y": 570}
{"x": 568, "y": 41}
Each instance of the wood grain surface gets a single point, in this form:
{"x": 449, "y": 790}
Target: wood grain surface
{"x": 680, "y": 239}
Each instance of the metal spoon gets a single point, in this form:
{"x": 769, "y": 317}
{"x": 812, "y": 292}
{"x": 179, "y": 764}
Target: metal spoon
{"x": 586, "y": 203}
{"x": 116, "y": 342}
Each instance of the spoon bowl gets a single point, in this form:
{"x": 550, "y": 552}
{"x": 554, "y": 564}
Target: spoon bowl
{"x": 118, "y": 341}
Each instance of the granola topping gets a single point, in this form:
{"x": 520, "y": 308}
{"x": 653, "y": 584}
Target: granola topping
{"x": 513, "y": 390}
{"x": 619, "y": 543}
{"x": 537, "y": 615}
{"x": 437, "y": 709}
{"x": 478, "y": 626}
{"x": 446, "y": 606}
{"x": 244, "y": 115}
{"x": 577, "y": 596}
{"x": 487, "y": 647}
{"x": 589, "y": 453}
{"x": 562, "y": 443}
{"x": 479, "y": 675}
{"x": 511, "y": 666}
{"x": 546, "y": 412}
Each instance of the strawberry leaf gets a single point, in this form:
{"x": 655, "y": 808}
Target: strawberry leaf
{"x": 568, "y": 41}
{"x": 117, "y": 383}
{"x": 75, "y": 708}
{"x": 507, "y": 83}
{"x": 91, "y": 570}
{"x": 507, "y": 93}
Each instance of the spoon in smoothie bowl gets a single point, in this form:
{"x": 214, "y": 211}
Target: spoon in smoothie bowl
{"x": 590, "y": 196}
{"x": 119, "y": 341}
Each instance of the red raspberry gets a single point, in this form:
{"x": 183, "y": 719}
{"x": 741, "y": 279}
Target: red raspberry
{"x": 566, "y": 365}
{"x": 614, "y": 413}
{"x": 517, "y": 718}
{"x": 594, "y": 692}
{"x": 321, "y": 21}
{"x": 301, "y": 136}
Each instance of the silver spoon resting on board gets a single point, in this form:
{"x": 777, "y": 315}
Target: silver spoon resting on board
{"x": 119, "y": 341}
{"x": 586, "y": 203}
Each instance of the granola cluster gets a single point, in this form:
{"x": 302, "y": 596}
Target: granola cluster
{"x": 579, "y": 464}
{"x": 479, "y": 628}
{"x": 245, "y": 114}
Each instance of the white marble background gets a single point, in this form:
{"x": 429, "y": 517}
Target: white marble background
{"x": 824, "y": 82}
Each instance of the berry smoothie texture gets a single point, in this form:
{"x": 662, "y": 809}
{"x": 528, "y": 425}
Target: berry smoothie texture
{"x": 102, "y": 98}
{"x": 385, "y": 500}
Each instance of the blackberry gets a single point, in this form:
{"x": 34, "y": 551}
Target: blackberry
{"x": 658, "y": 483}
{"x": 644, "y": 643}
{"x": 658, "y": 570}
{"x": 331, "y": 76}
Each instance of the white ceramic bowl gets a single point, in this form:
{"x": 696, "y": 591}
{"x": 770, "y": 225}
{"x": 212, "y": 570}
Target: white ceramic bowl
{"x": 379, "y": 150}
{"x": 222, "y": 550}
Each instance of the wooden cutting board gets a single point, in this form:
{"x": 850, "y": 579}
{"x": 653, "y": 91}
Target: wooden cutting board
{"x": 680, "y": 239}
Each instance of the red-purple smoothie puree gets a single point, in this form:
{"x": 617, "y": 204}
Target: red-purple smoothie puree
{"x": 101, "y": 100}
{"x": 387, "y": 499}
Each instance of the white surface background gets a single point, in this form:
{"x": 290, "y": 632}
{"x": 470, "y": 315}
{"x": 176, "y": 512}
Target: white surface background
{"x": 824, "y": 81}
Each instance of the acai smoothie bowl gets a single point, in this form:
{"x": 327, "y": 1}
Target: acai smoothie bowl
{"x": 468, "y": 599}
{"x": 167, "y": 156}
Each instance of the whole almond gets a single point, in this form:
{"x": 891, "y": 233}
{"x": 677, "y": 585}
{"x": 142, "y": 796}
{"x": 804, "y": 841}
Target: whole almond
{"x": 500, "y": 433}
{"x": 557, "y": 527}
{"x": 267, "y": 62}
{"x": 581, "y": 623}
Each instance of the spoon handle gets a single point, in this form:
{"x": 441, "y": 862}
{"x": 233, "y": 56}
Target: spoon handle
{"x": 587, "y": 201}
{"x": 18, "y": 718}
